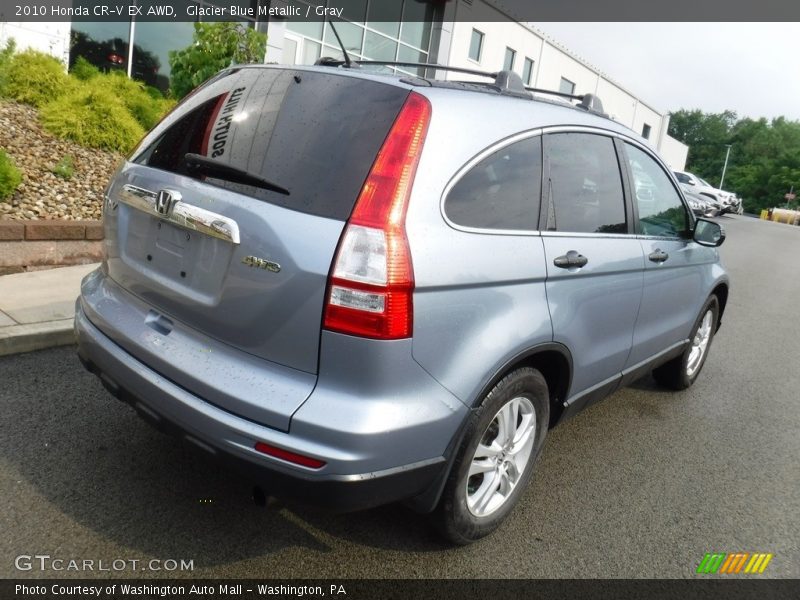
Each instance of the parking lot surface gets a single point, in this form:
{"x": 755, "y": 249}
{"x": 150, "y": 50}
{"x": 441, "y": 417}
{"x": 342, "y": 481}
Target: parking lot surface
{"x": 642, "y": 484}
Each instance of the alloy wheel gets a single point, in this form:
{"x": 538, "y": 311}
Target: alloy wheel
{"x": 501, "y": 457}
{"x": 700, "y": 344}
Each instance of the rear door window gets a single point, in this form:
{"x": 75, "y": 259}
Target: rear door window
{"x": 583, "y": 184}
{"x": 315, "y": 134}
{"x": 501, "y": 191}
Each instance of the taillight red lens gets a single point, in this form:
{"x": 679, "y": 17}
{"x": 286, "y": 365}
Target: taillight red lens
{"x": 288, "y": 456}
{"x": 372, "y": 282}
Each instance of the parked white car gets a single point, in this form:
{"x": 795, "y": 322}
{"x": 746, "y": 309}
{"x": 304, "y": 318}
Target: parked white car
{"x": 730, "y": 202}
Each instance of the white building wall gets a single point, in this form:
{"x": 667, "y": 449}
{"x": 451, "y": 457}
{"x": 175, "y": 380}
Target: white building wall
{"x": 646, "y": 115}
{"x": 620, "y": 105}
{"x": 52, "y": 38}
{"x": 556, "y": 64}
{"x": 497, "y": 36}
{"x": 674, "y": 153}
{"x": 551, "y": 62}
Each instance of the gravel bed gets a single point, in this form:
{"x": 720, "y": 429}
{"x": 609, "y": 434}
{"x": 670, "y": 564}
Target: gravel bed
{"x": 42, "y": 194}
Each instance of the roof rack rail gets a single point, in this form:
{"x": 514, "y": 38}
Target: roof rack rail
{"x": 331, "y": 62}
{"x": 593, "y": 104}
{"x": 554, "y": 93}
{"x": 588, "y": 102}
{"x": 507, "y": 82}
{"x": 510, "y": 83}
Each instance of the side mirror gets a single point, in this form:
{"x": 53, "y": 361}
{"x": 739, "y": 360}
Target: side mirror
{"x": 708, "y": 233}
{"x": 690, "y": 182}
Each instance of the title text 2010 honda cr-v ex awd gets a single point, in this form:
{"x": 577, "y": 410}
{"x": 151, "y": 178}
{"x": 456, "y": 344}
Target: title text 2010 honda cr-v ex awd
{"x": 371, "y": 288}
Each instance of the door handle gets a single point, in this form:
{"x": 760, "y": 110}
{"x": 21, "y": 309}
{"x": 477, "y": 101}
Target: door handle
{"x": 570, "y": 260}
{"x": 658, "y": 256}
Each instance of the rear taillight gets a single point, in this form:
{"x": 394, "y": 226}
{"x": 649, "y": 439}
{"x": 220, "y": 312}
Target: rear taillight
{"x": 116, "y": 59}
{"x": 371, "y": 285}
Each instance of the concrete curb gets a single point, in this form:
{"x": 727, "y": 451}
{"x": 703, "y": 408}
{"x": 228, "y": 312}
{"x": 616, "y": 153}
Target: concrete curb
{"x": 36, "y": 336}
{"x": 37, "y": 308}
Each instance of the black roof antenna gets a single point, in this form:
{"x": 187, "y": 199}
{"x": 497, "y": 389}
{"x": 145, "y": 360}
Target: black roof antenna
{"x": 347, "y": 61}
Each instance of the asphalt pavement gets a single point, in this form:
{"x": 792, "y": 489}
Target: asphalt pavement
{"x": 642, "y": 484}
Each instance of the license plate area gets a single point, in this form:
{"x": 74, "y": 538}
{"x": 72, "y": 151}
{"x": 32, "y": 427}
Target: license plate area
{"x": 172, "y": 244}
{"x": 185, "y": 263}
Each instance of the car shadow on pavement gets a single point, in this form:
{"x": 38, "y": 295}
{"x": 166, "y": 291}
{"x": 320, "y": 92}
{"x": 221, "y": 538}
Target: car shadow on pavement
{"x": 98, "y": 464}
{"x": 646, "y": 383}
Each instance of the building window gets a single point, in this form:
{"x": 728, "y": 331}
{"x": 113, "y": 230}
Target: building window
{"x": 153, "y": 42}
{"x": 646, "y": 131}
{"x": 527, "y": 71}
{"x": 476, "y": 45}
{"x": 508, "y": 62}
{"x": 566, "y": 86}
{"x": 392, "y": 31}
{"x": 107, "y": 45}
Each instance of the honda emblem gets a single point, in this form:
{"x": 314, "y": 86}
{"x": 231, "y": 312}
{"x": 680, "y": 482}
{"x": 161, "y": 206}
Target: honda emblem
{"x": 166, "y": 200}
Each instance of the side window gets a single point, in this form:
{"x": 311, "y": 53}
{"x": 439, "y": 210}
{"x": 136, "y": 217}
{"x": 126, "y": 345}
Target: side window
{"x": 501, "y": 191}
{"x": 661, "y": 211}
{"x": 583, "y": 184}
{"x": 683, "y": 177}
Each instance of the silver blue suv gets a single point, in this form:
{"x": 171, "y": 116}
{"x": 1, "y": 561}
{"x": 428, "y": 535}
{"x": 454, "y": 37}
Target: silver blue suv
{"x": 367, "y": 288}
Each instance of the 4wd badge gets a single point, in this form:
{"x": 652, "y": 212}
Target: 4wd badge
{"x": 261, "y": 263}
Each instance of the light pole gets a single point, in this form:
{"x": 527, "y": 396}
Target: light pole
{"x": 725, "y": 167}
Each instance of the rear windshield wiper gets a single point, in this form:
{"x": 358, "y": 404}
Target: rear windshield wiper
{"x": 214, "y": 168}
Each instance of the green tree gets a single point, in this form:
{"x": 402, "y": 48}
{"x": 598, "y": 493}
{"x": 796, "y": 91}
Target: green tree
{"x": 765, "y": 155}
{"x": 706, "y": 136}
{"x": 214, "y": 47}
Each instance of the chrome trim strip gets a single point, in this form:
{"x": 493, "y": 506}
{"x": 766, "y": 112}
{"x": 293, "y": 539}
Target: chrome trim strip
{"x": 186, "y": 216}
{"x": 581, "y": 234}
{"x": 584, "y": 129}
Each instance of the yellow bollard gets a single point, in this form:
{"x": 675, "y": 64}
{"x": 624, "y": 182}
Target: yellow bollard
{"x": 765, "y": 214}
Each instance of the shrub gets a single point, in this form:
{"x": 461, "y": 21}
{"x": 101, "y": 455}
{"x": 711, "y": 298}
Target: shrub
{"x": 92, "y": 116}
{"x": 215, "y": 46}
{"x": 35, "y": 78}
{"x": 134, "y": 94}
{"x": 65, "y": 168}
{"x": 6, "y": 54}
{"x": 10, "y": 176}
{"x": 84, "y": 70}
{"x": 154, "y": 92}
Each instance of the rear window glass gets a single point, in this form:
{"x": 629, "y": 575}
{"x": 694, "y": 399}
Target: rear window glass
{"x": 315, "y": 134}
{"x": 502, "y": 191}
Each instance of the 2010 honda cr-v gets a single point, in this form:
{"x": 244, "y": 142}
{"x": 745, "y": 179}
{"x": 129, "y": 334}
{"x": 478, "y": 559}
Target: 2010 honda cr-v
{"x": 372, "y": 288}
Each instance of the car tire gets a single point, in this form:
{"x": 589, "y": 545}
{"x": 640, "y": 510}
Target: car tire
{"x": 682, "y": 371}
{"x": 500, "y": 457}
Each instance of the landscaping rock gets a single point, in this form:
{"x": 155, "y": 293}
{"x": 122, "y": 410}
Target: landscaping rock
{"x": 42, "y": 194}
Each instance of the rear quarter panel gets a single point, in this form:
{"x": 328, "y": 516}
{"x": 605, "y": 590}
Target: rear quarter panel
{"x": 479, "y": 298}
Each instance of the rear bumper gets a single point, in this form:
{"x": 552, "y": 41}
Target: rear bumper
{"x": 231, "y": 438}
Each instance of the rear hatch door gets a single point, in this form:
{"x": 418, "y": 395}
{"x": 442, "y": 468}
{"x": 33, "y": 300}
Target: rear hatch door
{"x": 232, "y": 256}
